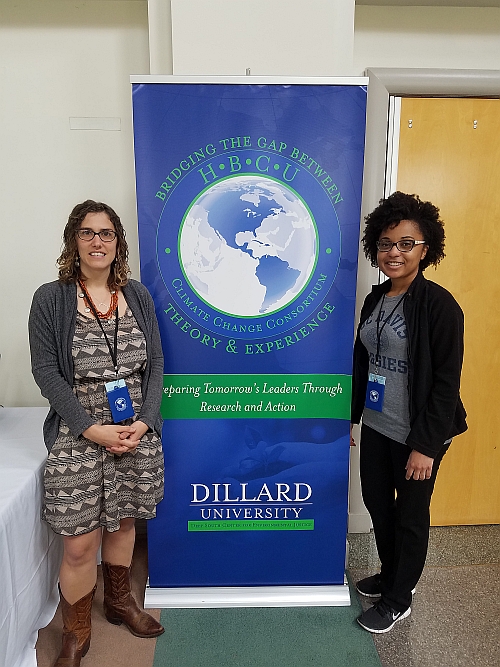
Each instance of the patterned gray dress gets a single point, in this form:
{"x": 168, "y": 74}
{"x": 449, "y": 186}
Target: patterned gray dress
{"x": 86, "y": 487}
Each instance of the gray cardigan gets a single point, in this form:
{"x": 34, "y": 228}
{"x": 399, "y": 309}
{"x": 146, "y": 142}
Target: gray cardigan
{"x": 51, "y": 329}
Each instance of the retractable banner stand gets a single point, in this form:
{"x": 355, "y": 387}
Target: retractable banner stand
{"x": 249, "y": 205}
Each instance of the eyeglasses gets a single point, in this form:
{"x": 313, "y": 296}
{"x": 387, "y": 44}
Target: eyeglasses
{"x": 105, "y": 235}
{"x": 405, "y": 245}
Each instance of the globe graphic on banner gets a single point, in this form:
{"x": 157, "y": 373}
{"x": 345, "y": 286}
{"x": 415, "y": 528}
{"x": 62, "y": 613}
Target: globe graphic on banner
{"x": 248, "y": 246}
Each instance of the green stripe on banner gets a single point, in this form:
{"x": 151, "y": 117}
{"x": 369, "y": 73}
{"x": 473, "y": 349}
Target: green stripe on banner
{"x": 312, "y": 396}
{"x": 217, "y": 526}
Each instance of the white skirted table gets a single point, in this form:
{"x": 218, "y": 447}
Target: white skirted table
{"x": 30, "y": 553}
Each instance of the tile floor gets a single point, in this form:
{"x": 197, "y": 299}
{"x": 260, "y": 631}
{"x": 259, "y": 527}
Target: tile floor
{"x": 455, "y": 619}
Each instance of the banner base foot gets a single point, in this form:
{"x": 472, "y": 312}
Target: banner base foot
{"x": 247, "y": 596}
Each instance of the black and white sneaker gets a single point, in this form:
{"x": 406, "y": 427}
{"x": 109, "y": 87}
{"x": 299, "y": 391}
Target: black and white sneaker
{"x": 370, "y": 587}
{"x": 381, "y": 617}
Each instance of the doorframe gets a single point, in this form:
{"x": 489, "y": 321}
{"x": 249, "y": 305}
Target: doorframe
{"x": 385, "y": 82}
{"x": 379, "y": 174}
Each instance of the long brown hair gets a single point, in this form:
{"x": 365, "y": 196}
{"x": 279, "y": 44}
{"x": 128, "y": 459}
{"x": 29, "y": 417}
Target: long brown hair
{"x": 69, "y": 268}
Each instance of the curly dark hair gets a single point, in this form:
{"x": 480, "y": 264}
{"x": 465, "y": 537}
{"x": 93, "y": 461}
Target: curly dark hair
{"x": 400, "y": 206}
{"x": 69, "y": 269}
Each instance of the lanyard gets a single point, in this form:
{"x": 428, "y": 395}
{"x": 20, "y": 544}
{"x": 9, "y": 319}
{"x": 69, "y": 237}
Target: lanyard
{"x": 112, "y": 350}
{"x": 379, "y": 330}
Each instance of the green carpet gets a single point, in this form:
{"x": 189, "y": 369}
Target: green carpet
{"x": 265, "y": 637}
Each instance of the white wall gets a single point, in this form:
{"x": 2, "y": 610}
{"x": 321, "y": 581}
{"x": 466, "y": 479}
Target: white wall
{"x": 447, "y": 37}
{"x": 59, "y": 59}
{"x": 284, "y": 37}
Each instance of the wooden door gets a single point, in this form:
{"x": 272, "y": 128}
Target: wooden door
{"x": 449, "y": 154}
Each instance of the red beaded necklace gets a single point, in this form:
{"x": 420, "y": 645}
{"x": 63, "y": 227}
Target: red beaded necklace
{"x": 88, "y": 300}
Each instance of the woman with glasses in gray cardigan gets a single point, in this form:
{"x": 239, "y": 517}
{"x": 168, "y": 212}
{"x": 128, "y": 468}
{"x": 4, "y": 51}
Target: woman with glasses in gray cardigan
{"x": 97, "y": 358}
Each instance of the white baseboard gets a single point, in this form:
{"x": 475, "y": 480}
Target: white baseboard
{"x": 359, "y": 523}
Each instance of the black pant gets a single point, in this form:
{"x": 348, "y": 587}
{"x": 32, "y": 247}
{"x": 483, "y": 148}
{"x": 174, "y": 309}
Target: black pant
{"x": 399, "y": 509}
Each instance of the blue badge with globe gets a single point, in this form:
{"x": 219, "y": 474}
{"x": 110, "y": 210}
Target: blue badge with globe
{"x": 120, "y": 404}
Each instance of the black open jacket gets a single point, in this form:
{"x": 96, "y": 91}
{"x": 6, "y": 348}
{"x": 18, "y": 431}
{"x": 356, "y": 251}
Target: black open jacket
{"x": 435, "y": 326}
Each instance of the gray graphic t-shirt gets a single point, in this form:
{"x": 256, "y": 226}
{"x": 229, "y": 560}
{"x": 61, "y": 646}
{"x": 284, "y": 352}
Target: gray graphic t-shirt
{"x": 394, "y": 420}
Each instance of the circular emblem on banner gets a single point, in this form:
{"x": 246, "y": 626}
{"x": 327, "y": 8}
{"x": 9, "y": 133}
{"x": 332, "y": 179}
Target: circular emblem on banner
{"x": 247, "y": 246}
{"x": 245, "y": 254}
{"x": 374, "y": 396}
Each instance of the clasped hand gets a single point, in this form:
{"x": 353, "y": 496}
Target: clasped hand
{"x": 116, "y": 439}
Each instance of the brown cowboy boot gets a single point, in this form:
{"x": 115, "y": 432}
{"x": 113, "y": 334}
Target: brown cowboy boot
{"x": 76, "y": 630}
{"x": 120, "y": 605}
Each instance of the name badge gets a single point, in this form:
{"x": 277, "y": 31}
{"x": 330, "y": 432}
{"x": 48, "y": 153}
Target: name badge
{"x": 119, "y": 400}
{"x": 375, "y": 392}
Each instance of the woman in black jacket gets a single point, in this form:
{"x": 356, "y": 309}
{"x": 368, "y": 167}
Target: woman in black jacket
{"x": 406, "y": 379}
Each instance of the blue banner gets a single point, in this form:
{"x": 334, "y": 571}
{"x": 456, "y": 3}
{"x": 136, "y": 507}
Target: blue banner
{"x": 249, "y": 206}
